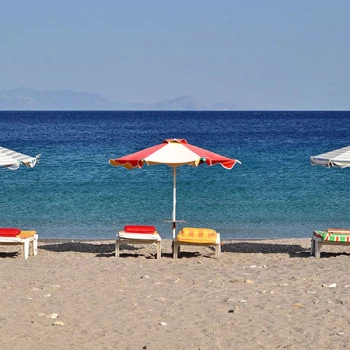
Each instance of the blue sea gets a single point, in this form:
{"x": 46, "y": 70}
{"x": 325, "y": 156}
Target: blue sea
{"x": 75, "y": 194}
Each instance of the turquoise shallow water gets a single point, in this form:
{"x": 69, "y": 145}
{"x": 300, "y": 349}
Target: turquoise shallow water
{"x": 74, "y": 193}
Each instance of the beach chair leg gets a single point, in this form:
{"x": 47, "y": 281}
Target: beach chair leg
{"x": 217, "y": 246}
{"x": 317, "y": 248}
{"x": 176, "y": 250}
{"x": 117, "y": 247}
{"x": 217, "y": 250}
{"x": 25, "y": 248}
{"x": 34, "y": 245}
{"x": 31, "y": 247}
{"x": 312, "y": 249}
{"x": 159, "y": 250}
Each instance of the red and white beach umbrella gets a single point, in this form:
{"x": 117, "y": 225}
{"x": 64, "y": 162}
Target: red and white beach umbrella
{"x": 12, "y": 160}
{"x": 174, "y": 153}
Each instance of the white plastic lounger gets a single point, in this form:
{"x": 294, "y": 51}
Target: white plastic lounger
{"x": 333, "y": 236}
{"x": 134, "y": 234}
{"x": 27, "y": 239}
{"x": 197, "y": 237}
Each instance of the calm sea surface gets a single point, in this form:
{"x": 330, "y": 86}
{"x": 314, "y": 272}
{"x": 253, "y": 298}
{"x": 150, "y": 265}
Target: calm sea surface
{"x": 74, "y": 193}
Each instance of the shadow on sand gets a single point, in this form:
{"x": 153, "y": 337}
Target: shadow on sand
{"x": 294, "y": 250}
{"x": 102, "y": 250}
{"x": 108, "y": 249}
{"x": 9, "y": 255}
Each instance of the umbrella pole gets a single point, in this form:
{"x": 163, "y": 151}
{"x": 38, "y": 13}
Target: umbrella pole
{"x": 174, "y": 204}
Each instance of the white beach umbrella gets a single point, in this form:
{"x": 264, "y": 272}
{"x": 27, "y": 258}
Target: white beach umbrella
{"x": 338, "y": 158}
{"x": 12, "y": 160}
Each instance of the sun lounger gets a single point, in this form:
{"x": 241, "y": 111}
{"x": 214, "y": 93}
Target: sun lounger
{"x": 27, "y": 239}
{"x": 197, "y": 237}
{"x": 333, "y": 236}
{"x": 134, "y": 234}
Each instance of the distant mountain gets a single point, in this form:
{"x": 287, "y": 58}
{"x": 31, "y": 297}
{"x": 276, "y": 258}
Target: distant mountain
{"x": 183, "y": 103}
{"x": 31, "y": 99}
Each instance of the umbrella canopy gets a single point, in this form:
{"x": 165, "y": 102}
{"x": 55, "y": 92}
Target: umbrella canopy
{"x": 338, "y": 158}
{"x": 12, "y": 160}
{"x": 174, "y": 153}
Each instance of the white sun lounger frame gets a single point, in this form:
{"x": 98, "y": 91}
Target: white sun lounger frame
{"x": 29, "y": 245}
{"x": 137, "y": 238}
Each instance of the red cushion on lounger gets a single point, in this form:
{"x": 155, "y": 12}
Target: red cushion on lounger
{"x": 139, "y": 229}
{"x": 9, "y": 232}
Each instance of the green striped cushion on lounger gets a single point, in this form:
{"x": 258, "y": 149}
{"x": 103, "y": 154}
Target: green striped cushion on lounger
{"x": 332, "y": 237}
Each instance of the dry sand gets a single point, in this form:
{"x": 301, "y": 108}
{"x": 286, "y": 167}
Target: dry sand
{"x": 259, "y": 295}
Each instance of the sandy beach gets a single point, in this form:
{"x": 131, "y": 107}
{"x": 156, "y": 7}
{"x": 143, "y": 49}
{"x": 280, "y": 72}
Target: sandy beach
{"x": 268, "y": 294}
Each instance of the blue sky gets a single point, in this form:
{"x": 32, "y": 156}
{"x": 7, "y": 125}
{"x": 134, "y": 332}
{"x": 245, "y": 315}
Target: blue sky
{"x": 260, "y": 54}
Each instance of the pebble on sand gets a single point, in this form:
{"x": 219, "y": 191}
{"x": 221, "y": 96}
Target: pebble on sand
{"x": 53, "y": 315}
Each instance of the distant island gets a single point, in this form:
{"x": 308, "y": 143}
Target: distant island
{"x": 31, "y": 99}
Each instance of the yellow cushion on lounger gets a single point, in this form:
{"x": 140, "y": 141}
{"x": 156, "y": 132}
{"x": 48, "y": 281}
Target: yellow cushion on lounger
{"x": 26, "y": 234}
{"x": 197, "y": 235}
